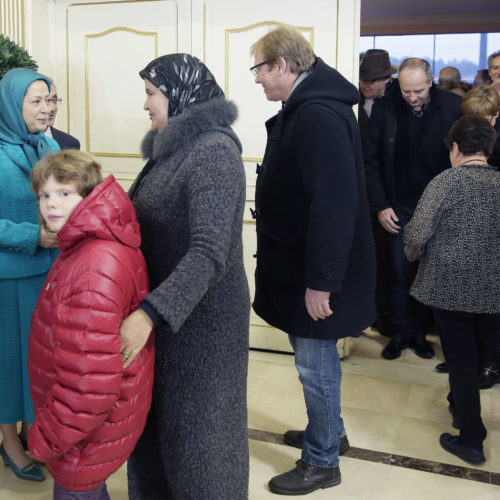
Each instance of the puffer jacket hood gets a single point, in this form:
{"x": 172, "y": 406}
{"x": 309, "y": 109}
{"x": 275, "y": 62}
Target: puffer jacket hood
{"x": 89, "y": 411}
{"x": 323, "y": 84}
{"x": 105, "y": 214}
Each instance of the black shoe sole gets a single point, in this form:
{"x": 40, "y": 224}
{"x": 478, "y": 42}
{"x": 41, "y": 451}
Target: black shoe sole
{"x": 425, "y": 355}
{"x": 327, "y": 484}
{"x": 392, "y": 355}
{"x": 460, "y": 453}
{"x": 441, "y": 370}
{"x": 487, "y": 385}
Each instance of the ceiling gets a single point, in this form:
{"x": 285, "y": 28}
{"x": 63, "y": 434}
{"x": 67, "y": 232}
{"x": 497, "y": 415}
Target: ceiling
{"x": 426, "y": 7}
{"x": 429, "y": 16}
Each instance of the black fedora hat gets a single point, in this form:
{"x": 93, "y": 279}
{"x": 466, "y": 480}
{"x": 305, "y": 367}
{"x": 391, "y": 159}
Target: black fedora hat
{"x": 376, "y": 64}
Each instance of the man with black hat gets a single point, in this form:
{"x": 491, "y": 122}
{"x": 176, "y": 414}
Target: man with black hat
{"x": 375, "y": 70}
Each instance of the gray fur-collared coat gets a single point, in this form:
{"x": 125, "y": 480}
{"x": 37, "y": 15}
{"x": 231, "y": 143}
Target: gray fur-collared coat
{"x": 189, "y": 201}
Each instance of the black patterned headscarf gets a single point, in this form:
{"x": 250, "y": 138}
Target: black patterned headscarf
{"x": 183, "y": 79}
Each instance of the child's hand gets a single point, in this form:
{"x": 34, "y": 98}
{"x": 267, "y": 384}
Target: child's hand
{"x": 134, "y": 333}
{"x": 48, "y": 239}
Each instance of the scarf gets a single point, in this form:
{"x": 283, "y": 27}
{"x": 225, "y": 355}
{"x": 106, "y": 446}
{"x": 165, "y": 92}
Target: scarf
{"x": 183, "y": 79}
{"x": 13, "y": 129}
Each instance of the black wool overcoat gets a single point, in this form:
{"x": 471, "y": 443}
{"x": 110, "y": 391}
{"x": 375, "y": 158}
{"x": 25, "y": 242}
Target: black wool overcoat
{"x": 313, "y": 225}
{"x": 380, "y": 142}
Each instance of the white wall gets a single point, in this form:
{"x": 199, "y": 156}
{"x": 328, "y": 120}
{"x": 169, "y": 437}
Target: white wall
{"x": 94, "y": 50}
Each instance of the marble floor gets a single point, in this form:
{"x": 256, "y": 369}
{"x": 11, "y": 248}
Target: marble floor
{"x": 394, "y": 412}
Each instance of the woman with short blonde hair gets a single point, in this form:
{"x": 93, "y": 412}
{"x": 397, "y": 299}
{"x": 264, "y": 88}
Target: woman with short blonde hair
{"x": 482, "y": 101}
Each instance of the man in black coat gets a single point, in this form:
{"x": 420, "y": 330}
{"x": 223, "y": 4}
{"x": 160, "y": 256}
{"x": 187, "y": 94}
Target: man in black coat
{"x": 315, "y": 255}
{"x": 375, "y": 70}
{"x": 64, "y": 140}
{"x": 404, "y": 151}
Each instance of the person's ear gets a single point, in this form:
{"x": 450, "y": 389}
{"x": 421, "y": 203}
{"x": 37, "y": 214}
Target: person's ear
{"x": 282, "y": 65}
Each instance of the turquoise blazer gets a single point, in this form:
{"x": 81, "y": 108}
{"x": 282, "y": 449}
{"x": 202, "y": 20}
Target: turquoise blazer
{"x": 20, "y": 254}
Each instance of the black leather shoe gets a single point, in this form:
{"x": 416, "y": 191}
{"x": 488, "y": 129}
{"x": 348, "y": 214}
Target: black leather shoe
{"x": 453, "y": 445}
{"x": 441, "y": 368}
{"x": 304, "y": 479}
{"x": 422, "y": 348}
{"x": 488, "y": 377}
{"x": 296, "y": 439}
{"x": 393, "y": 349}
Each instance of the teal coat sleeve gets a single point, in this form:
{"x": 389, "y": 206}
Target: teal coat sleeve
{"x": 20, "y": 253}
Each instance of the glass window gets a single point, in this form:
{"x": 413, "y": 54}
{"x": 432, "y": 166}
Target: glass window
{"x": 365, "y": 43}
{"x": 493, "y": 43}
{"x": 466, "y": 51}
{"x": 461, "y": 51}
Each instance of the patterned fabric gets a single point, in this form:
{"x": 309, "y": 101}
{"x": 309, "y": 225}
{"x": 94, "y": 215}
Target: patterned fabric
{"x": 455, "y": 233}
{"x": 183, "y": 79}
{"x": 13, "y": 130}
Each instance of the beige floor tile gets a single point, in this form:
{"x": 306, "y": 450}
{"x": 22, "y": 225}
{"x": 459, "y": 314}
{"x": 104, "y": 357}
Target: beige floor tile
{"x": 363, "y": 480}
{"x": 395, "y": 407}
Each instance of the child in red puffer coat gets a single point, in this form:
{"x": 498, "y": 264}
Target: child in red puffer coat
{"x": 89, "y": 410}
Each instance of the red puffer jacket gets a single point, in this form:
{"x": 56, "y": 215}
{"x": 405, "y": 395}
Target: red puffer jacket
{"x": 89, "y": 411}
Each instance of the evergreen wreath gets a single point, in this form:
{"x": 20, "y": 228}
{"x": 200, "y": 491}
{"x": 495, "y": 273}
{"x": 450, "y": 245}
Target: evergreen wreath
{"x": 14, "y": 56}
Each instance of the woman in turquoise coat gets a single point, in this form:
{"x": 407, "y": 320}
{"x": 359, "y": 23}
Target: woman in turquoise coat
{"x": 26, "y": 252}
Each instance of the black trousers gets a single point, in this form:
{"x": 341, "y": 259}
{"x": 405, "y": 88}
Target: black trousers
{"x": 461, "y": 333}
{"x": 406, "y": 317}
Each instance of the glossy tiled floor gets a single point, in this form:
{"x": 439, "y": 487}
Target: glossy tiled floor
{"x": 394, "y": 412}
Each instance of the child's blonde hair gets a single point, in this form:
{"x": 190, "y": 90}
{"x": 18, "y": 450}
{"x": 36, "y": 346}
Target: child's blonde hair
{"x": 69, "y": 166}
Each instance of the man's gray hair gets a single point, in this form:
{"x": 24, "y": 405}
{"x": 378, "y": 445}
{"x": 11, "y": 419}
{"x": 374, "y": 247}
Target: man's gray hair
{"x": 491, "y": 57}
{"x": 417, "y": 63}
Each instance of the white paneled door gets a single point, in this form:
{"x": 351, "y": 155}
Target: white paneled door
{"x": 108, "y": 43}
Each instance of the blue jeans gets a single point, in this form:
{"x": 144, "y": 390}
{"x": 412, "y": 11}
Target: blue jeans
{"x": 320, "y": 374}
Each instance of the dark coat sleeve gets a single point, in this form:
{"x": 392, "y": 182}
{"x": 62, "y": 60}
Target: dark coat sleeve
{"x": 213, "y": 193}
{"x": 494, "y": 158}
{"x": 375, "y": 157}
{"x": 326, "y": 160}
{"x": 65, "y": 141}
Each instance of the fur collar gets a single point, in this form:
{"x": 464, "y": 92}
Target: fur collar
{"x": 213, "y": 115}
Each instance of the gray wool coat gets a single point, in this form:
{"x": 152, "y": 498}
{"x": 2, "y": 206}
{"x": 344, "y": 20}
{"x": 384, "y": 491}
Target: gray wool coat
{"x": 189, "y": 201}
{"x": 455, "y": 233}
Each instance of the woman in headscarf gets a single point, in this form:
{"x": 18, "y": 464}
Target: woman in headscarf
{"x": 189, "y": 200}
{"x": 26, "y": 253}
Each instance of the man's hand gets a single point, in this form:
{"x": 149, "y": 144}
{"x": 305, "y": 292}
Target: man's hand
{"x": 48, "y": 239}
{"x": 317, "y": 304}
{"x": 134, "y": 333}
{"x": 388, "y": 219}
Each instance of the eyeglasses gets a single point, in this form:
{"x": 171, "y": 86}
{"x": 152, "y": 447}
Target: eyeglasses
{"x": 255, "y": 69}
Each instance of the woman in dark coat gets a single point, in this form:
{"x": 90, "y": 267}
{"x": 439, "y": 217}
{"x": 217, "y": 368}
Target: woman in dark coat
{"x": 189, "y": 200}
